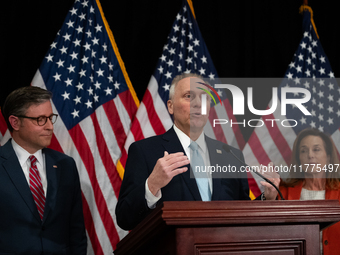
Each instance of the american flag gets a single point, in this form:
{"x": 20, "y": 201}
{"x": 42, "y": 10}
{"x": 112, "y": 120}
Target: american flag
{"x": 309, "y": 69}
{"x": 185, "y": 51}
{"x": 4, "y": 133}
{"x": 95, "y": 100}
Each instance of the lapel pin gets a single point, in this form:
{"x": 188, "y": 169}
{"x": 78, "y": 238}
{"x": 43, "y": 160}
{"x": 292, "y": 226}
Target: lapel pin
{"x": 54, "y": 166}
{"x": 218, "y": 151}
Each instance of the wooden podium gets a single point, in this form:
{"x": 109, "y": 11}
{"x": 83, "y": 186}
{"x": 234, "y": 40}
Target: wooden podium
{"x": 235, "y": 227}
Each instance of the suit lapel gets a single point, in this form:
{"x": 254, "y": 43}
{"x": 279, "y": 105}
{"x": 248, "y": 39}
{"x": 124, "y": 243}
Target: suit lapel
{"x": 12, "y": 167}
{"x": 172, "y": 145}
{"x": 53, "y": 177}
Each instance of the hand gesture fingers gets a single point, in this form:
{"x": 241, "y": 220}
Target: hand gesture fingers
{"x": 270, "y": 173}
{"x": 166, "y": 168}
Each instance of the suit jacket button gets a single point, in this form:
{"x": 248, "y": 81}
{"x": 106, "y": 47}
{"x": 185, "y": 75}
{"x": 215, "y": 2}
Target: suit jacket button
{"x": 43, "y": 228}
{"x": 326, "y": 242}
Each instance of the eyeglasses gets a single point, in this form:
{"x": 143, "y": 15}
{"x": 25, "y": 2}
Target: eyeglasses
{"x": 41, "y": 120}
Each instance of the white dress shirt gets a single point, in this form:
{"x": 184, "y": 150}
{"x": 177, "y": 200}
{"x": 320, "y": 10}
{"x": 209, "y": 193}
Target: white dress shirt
{"x": 25, "y": 163}
{"x": 185, "y": 141}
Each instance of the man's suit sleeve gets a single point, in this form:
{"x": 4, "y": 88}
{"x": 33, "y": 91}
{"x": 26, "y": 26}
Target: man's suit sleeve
{"x": 132, "y": 206}
{"x": 78, "y": 237}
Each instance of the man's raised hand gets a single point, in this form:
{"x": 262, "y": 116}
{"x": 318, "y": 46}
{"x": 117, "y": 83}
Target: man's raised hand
{"x": 165, "y": 169}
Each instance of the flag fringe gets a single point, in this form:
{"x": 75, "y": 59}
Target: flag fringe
{"x": 115, "y": 48}
{"x": 251, "y": 195}
{"x": 191, "y": 7}
{"x": 120, "y": 169}
{"x": 308, "y": 8}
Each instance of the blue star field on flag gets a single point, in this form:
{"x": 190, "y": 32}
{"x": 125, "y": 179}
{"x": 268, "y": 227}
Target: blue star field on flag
{"x": 310, "y": 69}
{"x": 184, "y": 52}
{"x": 81, "y": 68}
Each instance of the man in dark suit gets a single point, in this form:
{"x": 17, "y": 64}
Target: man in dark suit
{"x": 158, "y": 168}
{"x": 40, "y": 196}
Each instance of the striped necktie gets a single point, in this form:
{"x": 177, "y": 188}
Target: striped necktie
{"x": 36, "y": 186}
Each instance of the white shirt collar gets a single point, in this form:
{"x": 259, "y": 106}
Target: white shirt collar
{"x": 23, "y": 155}
{"x": 201, "y": 142}
{"x": 185, "y": 140}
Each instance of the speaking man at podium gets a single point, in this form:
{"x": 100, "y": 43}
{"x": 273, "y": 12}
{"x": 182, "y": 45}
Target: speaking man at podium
{"x": 164, "y": 167}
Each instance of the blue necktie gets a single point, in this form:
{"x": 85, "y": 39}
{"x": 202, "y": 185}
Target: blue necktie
{"x": 201, "y": 177}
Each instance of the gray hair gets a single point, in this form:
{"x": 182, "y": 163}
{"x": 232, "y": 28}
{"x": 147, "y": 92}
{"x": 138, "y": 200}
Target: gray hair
{"x": 178, "y": 78}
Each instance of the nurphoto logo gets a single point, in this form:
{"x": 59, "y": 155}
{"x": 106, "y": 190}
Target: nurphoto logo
{"x": 283, "y": 99}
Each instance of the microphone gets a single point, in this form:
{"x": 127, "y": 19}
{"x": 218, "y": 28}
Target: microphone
{"x": 226, "y": 147}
